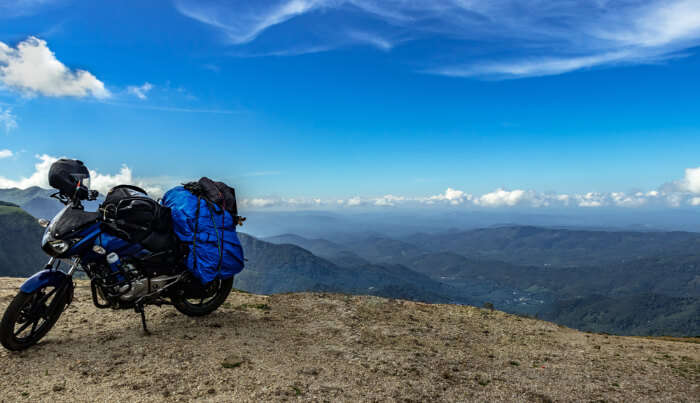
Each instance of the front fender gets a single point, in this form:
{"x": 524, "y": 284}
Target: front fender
{"x": 43, "y": 278}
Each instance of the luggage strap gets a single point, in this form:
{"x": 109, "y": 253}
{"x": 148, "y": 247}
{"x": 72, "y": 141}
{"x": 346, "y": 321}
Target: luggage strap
{"x": 194, "y": 238}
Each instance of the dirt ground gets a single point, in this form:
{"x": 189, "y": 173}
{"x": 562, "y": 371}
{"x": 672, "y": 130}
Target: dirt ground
{"x": 326, "y": 347}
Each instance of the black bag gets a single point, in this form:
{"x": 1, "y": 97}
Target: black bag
{"x": 217, "y": 193}
{"x": 131, "y": 212}
{"x": 67, "y": 177}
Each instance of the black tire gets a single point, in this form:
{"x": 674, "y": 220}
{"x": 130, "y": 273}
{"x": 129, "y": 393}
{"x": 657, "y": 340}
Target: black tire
{"x": 37, "y": 312}
{"x": 217, "y": 293}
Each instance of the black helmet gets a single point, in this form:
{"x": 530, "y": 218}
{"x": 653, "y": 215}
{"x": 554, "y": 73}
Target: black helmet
{"x": 71, "y": 178}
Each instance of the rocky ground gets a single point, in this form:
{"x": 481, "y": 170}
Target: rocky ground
{"x": 325, "y": 347}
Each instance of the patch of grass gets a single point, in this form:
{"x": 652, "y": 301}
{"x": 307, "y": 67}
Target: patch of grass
{"x": 231, "y": 365}
{"x": 297, "y": 391}
{"x": 482, "y": 380}
{"x": 239, "y": 291}
{"x": 695, "y": 340}
{"x": 262, "y": 307}
{"x": 514, "y": 363}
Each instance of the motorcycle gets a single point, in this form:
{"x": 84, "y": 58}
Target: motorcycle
{"x": 123, "y": 274}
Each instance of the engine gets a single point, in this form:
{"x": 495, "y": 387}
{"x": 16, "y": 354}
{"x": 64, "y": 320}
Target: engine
{"x": 123, "y": 281}
{"x": 145, "y": 286}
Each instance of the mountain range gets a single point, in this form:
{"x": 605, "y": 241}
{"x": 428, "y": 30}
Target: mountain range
{"x": 626, "y": 282}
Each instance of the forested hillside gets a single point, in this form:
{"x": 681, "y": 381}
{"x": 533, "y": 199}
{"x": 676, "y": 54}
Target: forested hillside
{"x": 20, "y": 242}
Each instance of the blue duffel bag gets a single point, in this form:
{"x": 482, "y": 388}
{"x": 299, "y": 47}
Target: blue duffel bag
{"x": 209, "y": 231}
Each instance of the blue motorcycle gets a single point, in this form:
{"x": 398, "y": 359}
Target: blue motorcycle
{"x": 129, "y": 265}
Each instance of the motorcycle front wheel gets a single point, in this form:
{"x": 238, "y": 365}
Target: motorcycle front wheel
{"x": 30, "y": 316}
{"x": 215, "y": 294}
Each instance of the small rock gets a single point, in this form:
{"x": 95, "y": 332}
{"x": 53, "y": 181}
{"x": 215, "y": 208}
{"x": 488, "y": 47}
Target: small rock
{"x": 58, "y": 388}
{"x": 310, "y": 371}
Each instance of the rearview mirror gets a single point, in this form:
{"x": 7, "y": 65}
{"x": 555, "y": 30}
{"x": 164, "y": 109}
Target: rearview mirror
{"x": 43, "y": 222}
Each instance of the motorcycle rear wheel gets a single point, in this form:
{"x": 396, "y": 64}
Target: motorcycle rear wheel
{"x": 218, "y": 292}
{"x": 29, "y": 317}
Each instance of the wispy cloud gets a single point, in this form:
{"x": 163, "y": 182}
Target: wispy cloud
{"x": 6, "y": 154}
{"x": 515, "y": 38}
{"x": 173, "y": 108}
{"x": 262, "y": 173}
{"x": 372, "y": 39}
{"x": 141, "y": 92}
{"x": 292, "y": 51}
{"x": 244, "y": 21}
{"x": 21, "y": 8}
{"x": 7, "y": 120}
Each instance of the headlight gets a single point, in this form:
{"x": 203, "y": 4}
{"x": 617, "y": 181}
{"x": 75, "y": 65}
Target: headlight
{"x": 59, "y": 246}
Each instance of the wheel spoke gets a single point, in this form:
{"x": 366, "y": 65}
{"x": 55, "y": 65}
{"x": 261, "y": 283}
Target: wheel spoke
{"x": 34, "y": 325}
{"x": 46, "y": 297}
{"x": 24, "y": 326}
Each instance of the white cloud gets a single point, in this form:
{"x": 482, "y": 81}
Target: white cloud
{"x": 691, "y": 182}
{"x": 451, "y": 196}
{"x": 40, "y": 177}
{"x": 389, "y": 200}
{"x": 590, "y": 199}
{"x": 141, "y": 92}
{"x": 7, "y": 119}
{"x": 259, "y": 202}
{"x": 621, "y": 199}
{"x": 500, "y": 197}
{"x": 695, "y": 201}
{"x": 6, "y": 154}
{"x": 355, "y": 201}
{"x": 32, "y": 68}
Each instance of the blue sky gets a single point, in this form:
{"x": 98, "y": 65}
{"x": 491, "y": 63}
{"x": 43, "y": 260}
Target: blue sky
{"x": 332, "y": 103}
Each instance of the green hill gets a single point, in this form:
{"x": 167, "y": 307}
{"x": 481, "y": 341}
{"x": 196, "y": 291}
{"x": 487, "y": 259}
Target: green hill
{"x": 273, "y": 268}
{"x": 20, "y": 242}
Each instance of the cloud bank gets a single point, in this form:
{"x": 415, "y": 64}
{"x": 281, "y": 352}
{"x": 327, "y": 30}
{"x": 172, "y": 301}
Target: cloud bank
{"x": 31, "y": 68}
{"x": 684, "y": 192}
{"x": 515, "y": 38}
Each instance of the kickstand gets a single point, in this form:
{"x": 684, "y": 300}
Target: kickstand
{"x": 140, "y": 309}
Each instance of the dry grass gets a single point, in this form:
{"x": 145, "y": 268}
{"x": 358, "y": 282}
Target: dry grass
{"x": 325, "y": 347}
